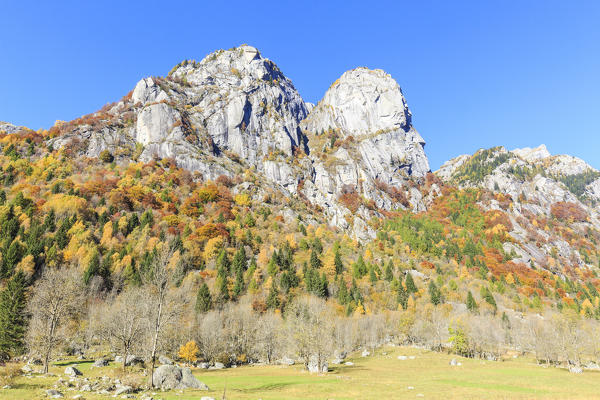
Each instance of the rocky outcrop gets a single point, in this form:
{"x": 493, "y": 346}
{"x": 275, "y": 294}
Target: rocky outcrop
{"x": 8, "y": 128}
{"x": 236, "y": 111}
{"x": 535, "y": 182}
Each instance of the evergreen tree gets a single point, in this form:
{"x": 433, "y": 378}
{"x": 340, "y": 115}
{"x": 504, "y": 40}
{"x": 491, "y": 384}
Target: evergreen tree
{"x": 223, "y": 289}
{"x": 203, "y": 299}
{"x": 372, "y": 276}
{"x": 342, "y": 295}
{"x": 323, "y": 289}
{"x": 337, "y": 261}
{"x": 92, "y": 269}
{"x": 410, "y": 284}
{"x": 402, "y": 297}
{"x": 359, "y": 269}
{"x": 315, "y": 261}
{"x": 273, "y": 301}
{"x": 434, "y": 294}
{"x": 240, "y": 261}
{"x": 12, "y": 317}
{"x": 471, "y": 304}
{"x": 488, "y": 297}
{"x": 223, "y": 263}
{"x": 238, "y": 288}
{"x": 389, "y": 271}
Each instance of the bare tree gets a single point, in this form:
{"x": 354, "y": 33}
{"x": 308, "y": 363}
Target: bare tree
{"x": 310, "y": 329}
{"x": 268, "y": 337}
{"x": 122, "y": 322}
{"x": 164, "y": 304}
{"x": 58, "y": 298}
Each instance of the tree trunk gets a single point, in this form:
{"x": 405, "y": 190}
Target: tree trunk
{"x": 46, "y": 360}
{"x": 155, "y": 340}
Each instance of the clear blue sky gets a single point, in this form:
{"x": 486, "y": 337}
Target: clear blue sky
{"x": 475, "y": 73}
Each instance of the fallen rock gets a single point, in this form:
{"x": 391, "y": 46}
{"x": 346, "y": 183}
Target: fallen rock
{"x": 122, "y": 389}
{"x": 163, "y": 360}
{"x": 219, "y": 365}
{"x": 169, "y": 377}
{"x": 101, "y": 362}
{"x": 575, "y": 370}
{"x": 349, "y": 363}
{"x": 454, "y": 363}
{"x": 55, "y": 394}
{"x": 366, "y": 353}
{"x": 72, "y": 371}
{"x": 402, "y": 358}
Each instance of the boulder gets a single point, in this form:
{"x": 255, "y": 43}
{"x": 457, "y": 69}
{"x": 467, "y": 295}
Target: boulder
{"x": 26, "y": 369}
{"x": 349, "y": 363}
{"x": 313, "y": 366}
{"x": 168, "y": 377}
{"x": 455, "y": 363}
{"x": 219, "y": 365}
{"x": 402, "y": 358}
{"x": 163, "y": 360}
{"x": 575, "y": 369}
{"x": 101, "y": 362}
{"x": 286, "y": 361}
{"x": 122, "y": 389}
{"x": 72, "y": 371}
{"x": 365, "y": 353}
{"x": 204, "y": 365}
{"x": 54, "y": 394}
{"x": 337, "y": 361}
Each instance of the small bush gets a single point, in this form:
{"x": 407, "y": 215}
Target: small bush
{"x": 106, "y": 156}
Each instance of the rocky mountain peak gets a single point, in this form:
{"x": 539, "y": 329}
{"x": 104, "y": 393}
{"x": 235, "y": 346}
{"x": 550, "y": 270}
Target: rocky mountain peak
{"x": 8, "y": 128}
{"x": 529, "y": 154}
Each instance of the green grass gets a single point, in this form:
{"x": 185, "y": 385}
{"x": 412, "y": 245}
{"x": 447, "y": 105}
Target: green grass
{"x": 381, "y": 376}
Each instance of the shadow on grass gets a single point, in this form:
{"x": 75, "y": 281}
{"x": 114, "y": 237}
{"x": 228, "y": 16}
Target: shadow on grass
{"x": 72, "y": 362}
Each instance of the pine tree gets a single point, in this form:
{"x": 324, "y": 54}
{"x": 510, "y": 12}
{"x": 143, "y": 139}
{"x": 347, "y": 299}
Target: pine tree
{"x": 12, "y": 316}
{"x": 92, "y": 269}
{"x": 238, "y": 288}
{"x": 223, "y": 263}
{"x": 337, "y": 261}
{"x": 410, "y": 284}
{"x": 273, "y": 301}
{"x": 315, "y": 261}
{"x": 372, "y": 276}
{"x": 342, "y": 295}
{"x": 471, "y": 304}
{"x": 488, "y": 297}
{"x": 389, "y": 271}
{"x": 359, "y": 269}
{"x": 203, "y": 299}
{"x": 223, "y": 289}
{"x": 240, "y": 261}
{"x": 323, "y": 287}
{"x": 402, "y": 297}
{"x": 434, "y": 294}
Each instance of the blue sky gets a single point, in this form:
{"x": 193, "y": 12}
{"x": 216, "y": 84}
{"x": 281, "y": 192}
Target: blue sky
{"x": 475, "y": 73}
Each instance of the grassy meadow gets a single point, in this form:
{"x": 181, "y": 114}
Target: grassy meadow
{"x": 381, "y": 376}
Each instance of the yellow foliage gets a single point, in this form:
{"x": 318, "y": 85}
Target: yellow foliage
{"x": 263, "y": 257}
{"x": 189, "y": 352}
{"x": 291, "y": 239}
{"x": 368, "y": 255}
{"x": 242, "y": 199}
{"x": 107, "y": 233}
{"x": 175, "y": 258}
{"x": 171, "y": 220}
{"x": 65, "y": 205}
{"x": 27, "y": 265}
{"x": 510, "y": 278}
{"x": 212, "y": 247}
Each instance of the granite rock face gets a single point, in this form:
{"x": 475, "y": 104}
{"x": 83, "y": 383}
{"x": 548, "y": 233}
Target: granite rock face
{"x": 236, "y": 111}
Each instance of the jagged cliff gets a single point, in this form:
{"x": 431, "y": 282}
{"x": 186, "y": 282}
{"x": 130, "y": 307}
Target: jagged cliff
{"x": 235, "y": 110}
